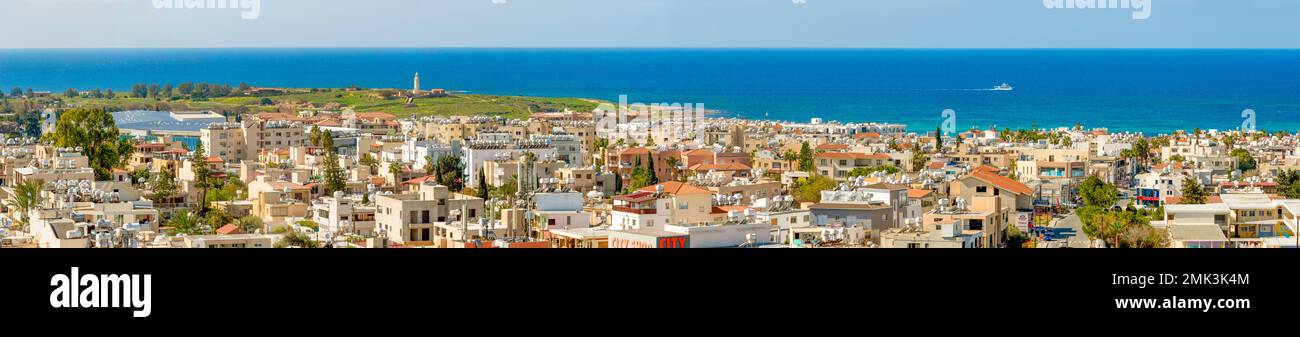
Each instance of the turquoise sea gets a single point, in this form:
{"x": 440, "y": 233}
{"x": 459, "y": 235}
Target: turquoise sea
{"x": 1126, "y": 90}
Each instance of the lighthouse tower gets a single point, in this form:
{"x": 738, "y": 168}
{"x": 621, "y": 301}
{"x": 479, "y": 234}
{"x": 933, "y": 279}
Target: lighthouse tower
{"x": 417, "y": 84}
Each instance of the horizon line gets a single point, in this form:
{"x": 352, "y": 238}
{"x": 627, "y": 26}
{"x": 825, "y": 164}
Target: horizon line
{"x": 649, "y": 48}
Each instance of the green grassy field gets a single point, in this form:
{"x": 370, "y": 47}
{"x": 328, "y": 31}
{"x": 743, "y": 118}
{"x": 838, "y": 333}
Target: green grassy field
{"x": 362, "y": 101}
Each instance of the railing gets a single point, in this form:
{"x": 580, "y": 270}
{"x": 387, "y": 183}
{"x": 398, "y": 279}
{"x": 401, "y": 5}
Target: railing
{"x": 639, "y": 211}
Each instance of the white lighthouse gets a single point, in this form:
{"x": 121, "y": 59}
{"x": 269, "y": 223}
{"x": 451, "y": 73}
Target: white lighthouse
{"x": 416, "y": 90}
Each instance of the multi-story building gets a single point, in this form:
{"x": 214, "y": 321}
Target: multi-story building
{"x": 838, "y": 165}
{"x": 408, "y": 219}
{"x": 234, "y": 142}
{"x": 343, "y": 214}
{"x": 665, "y": 203}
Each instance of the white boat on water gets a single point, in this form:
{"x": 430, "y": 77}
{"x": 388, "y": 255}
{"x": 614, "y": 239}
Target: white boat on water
{"x": 1003, "y": 87}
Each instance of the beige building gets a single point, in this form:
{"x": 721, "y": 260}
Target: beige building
{"x": 244, "y": 141}
{"x": 231, "y": 241}
{"x": 983, "y": 191}
{"x": 837, "y": 165}
{"x": 408, "y": 219}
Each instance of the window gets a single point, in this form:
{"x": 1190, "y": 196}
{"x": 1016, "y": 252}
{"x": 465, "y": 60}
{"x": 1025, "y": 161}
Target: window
{"x": 981, "y": 189}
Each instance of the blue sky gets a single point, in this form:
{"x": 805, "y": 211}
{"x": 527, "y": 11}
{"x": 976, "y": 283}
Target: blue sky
{"x": 651, "y": 23}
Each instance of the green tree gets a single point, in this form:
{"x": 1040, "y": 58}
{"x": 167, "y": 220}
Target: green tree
{"x": 508, "y": 189}
{"x": 484, "y": 189}
{"x": 920, "y": 160}
{"x": 202, "y": 175}
{"x": 249, "y": 223}
{"x": 1096, "y": 193}
{"x": 867, "y": 171}
{"x": 26, "y": 197}
{"x": 1288, "y": 184}
{"x": 70, "y": 93}
{"x": 334, "y": 177}
{"x": 164, "y": 185}
{"x": 1245, "y": 161}
{"x": 185, "y": 223}
{"x": 810, "y": 189}
{"x": 1016, "y": 238}
{"x": 1193, "y": 192}
{"x": 141, "y": 176}
{"x": 217, "y": 218}
{"x": 806, "y": 158}
{"x": 618, "y": 182}
{"x": 654, "y": 176}
{"x": 938, "y": 139}
{"x": 430, "y": 166}
{"x": 96, "y": 133}
{"x": 790, "y": 158}
{"x": 450, "y": 172}
{"x": 314, "y": 135}
{"x": 294, "y": 238}
{"x": 327, "y": 140}
{"x": 396, "y": 170}
{"x": 369, "y": 161}
{"x": 672, "y": 162}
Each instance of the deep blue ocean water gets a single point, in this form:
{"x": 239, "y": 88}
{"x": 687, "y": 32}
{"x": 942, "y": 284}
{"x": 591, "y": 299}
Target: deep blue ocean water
{"x": 1126, "y": 90}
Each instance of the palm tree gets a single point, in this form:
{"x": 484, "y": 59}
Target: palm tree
{"x": 790, "y": 157}
{"x": 396, "y": 170}
{"x": 249, "y": 223}
{"x": 430, "y": 168}
{"x": 27, "y": 196}
{"x": 672, "y": 162}
{"x": 368, "y": 160}
{"x": 185, "y": 223}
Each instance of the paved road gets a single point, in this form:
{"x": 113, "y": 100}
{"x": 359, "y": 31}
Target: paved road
{"x": 1067, "y": 232}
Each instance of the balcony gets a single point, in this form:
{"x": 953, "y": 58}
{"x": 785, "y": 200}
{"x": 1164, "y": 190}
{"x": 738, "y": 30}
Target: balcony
{"x": 638, "y": 211}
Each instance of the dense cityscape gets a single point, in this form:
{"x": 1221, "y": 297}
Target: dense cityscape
{"x": 277, "y": 172}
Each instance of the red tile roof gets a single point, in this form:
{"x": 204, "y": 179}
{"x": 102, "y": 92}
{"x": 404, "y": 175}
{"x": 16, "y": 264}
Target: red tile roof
{"x": 635, "y": 151}
{"x": 699, "y": 152}
{"x": 421, "y": 180}
{"x": 228, "y": 229}
{"x": 725, "y": 209}
{"x": 720, "y": 167}
{"x": 916, "y": 194}
{"x": 866, "y": 135}
{"x": 1002, "y": 182}
{"x": 639, "y": 196}
{"x": 833, "y": 147}
{"x": 851, "y": 155}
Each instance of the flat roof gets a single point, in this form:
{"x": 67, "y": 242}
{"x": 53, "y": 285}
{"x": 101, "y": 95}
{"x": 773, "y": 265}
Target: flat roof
{"x": 1206, "y": 208}
{"x": 1197, "y": 232}
{"x": 655, "y": 232}
{"x": 582, "y": 233}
